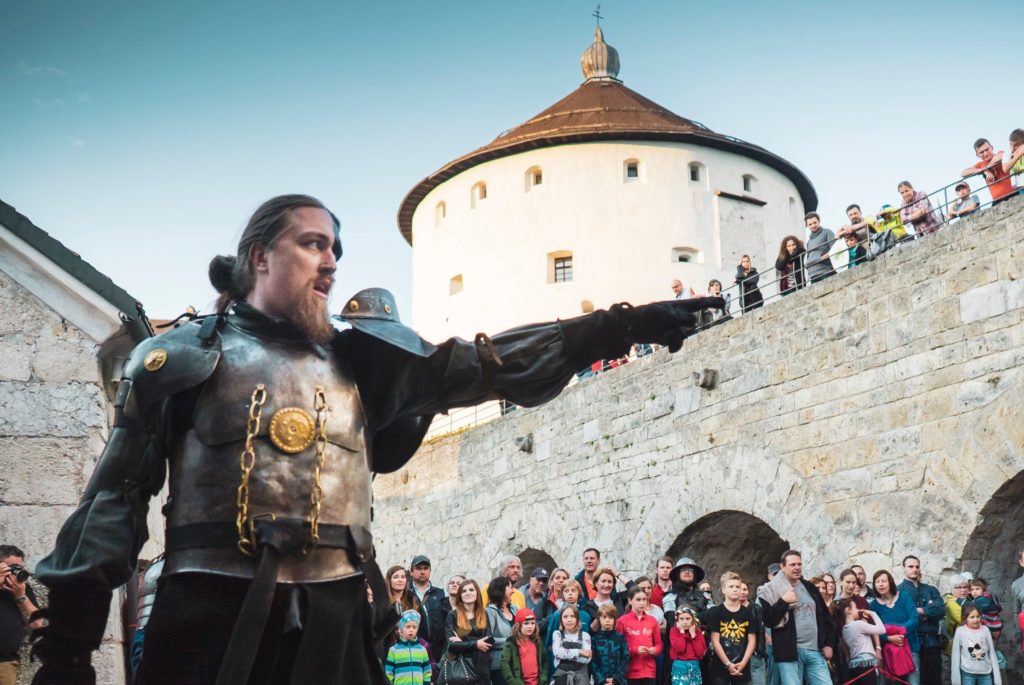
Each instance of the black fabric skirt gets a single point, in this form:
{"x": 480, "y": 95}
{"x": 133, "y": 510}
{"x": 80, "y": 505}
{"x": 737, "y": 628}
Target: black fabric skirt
{"x": 316, "y": 634}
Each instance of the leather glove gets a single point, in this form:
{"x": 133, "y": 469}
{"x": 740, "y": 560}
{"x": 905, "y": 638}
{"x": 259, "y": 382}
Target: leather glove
{"x": 60, "y": 666}
{"x": 664, "y": 323}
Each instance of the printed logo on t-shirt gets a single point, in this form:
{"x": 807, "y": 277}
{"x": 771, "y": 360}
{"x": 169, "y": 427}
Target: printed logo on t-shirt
{"x": 976, "y": 650}
{"x": 733, "y": 631}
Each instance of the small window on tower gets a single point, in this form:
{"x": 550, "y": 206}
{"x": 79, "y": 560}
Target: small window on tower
{"x": 455, "y": 285}
{"x": 478, "y": 193}
{"x": 563, "y": 269}
{"x": 631, "y": 170}
{"x": 534, "y": 178}
{"x": 696, "y": 172}
{"x": 440, "y": 212}
{"x": 749, "y": 183}
{"x": 687, "y": 255}
{"x": 559, "y": 266}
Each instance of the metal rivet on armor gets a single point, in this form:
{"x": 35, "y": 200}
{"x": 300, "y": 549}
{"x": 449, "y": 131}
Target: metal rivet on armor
{"x": 387, "y": 309}
{"x": 353, "y": 306}
{"x": 155, "y": 360}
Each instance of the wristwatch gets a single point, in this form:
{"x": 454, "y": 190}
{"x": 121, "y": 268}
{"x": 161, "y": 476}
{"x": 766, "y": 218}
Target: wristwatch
{"x": 21, "y": 599}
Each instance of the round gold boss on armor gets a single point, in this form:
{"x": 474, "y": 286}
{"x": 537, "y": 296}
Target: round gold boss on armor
{"x": 292, "y": 429}
{"x": 155, "y": 360}
{"x": 353, "y": 306}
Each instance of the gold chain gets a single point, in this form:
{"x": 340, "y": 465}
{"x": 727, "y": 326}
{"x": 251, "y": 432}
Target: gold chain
{"x": 316, "y": 495}
{"x": 248, "y": 459}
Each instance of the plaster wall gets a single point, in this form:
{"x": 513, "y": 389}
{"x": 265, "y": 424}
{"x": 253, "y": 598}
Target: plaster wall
{"x": 620, "y": 231}
{"x": 874, "y": 415}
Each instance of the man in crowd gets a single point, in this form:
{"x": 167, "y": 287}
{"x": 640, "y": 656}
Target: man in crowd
{"x": 862, "y": 581}
{"x": 510, "y": 566}
{"x": 860, "y": 226}
{"x": 965, "y": 203}
{"x": 679, "y": 292}
{"x": 17, "y": 604}
{"x": 686, "y": 575}
{"x": 662, "y": 582}
{"x": 803, "y": 633}
{"x": 536, "y": 596}
{"x": 931, "y": 611}
{"x": 431, "y": 599}
{"x": 819, "y": 242}
{"x": 591, "y": 560}
{"x": 274, "y": 421}
{"x": 991, "y": 166}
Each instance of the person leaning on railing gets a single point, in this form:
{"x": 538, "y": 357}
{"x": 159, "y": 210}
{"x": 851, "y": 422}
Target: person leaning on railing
{"x": 1013, "y": 163}
{"x": 917, "y": 210}
{"x": 790, "y": 265}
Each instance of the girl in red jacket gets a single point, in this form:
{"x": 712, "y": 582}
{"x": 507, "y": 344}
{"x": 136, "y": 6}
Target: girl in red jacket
{"x": 687, "y": 646}
{"x": 643, "y": 638}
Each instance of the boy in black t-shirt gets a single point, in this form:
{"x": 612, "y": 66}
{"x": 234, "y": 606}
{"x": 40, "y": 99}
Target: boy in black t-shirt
{"x": 733, "y": 634}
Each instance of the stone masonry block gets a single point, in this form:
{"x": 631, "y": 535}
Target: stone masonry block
{"x": 982, "y": 302}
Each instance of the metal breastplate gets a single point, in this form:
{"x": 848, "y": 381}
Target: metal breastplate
{"x": 205, "y": 470}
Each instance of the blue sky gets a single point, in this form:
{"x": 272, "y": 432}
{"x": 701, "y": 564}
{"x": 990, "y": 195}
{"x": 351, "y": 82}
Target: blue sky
{"x": 143, "y": 134}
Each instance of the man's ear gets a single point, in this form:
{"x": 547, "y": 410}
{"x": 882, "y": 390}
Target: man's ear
{"x": 258, "y": 255}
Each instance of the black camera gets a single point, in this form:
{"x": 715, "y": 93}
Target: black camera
{"x": 19, "y": 572}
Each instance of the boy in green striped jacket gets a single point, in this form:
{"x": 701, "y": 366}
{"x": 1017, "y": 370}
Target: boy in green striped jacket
{"x": 408, "y": 662}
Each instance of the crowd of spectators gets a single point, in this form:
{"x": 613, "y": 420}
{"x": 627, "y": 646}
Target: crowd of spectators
{"x": 674, "y": 628}
{"x": 865, "y": 236}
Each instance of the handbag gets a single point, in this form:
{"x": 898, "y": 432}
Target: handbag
{"x": 456, "y": 669}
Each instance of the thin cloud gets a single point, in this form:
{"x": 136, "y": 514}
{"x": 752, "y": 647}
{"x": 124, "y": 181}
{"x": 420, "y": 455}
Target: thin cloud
{"x": 39, "y": 69}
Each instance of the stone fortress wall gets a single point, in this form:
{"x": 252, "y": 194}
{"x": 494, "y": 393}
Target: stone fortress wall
{"x": 871, "y": 416}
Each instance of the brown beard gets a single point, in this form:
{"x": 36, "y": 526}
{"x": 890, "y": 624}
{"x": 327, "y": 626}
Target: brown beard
{"x": 311, "y": 316}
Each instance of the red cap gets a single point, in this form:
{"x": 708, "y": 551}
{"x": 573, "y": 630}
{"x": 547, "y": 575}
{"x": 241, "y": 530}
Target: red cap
{"x": 524, "y": 614}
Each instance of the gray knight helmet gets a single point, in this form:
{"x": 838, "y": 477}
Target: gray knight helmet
{"x": 373, "y": 311}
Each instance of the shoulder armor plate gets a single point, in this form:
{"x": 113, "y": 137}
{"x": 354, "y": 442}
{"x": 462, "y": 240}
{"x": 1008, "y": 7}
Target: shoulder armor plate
{"x": 168, "y": 364}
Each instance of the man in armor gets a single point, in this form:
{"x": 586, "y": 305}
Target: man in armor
{"x": 268, "y": 423}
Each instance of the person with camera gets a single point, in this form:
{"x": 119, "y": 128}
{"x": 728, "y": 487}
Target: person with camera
{"x": 17, "y": 604}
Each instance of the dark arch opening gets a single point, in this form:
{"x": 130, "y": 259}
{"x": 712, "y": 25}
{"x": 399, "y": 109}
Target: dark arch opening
{"x": 993, "y": 552}
{"x": 535, "y": 558}
{"x": 730, "y": 541}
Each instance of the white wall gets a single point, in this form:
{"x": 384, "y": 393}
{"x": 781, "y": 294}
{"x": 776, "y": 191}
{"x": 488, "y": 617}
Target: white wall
{"x": 621, "y": 233}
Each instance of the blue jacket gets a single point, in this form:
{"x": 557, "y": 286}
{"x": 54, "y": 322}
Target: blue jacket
{"x": 927, "y": 598}
{"x": 903, "y": 613}
{"x": 611, "y": 657}
{"x": 553, "y": 624}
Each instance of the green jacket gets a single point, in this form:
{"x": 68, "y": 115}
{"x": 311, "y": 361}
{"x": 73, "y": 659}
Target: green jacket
{"x": 512, "y": 670}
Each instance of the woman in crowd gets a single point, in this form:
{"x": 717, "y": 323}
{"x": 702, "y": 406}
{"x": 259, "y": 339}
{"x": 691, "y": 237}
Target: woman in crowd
{"x": 466, "y": 628}
{"x": 453, "y": 593}
{"x": 500, "y": 615}
{"x": 402, "y": 601}
{"x": 715, "y": 290}
{"x": 895, "y": 609}
{"x": 558, "y": 578}
{"x": 790, "y": 265}
{"x": 860, "y": 638}
{"x": 604, "y": 593}
{"x": 917, "y": 210}
{"x": 830, "y": 589}
{"x": 954, "y": 604}
{"x": 746, "y": 279}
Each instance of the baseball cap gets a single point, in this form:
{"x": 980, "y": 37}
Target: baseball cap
{"x": 539, "y": 573}
{"x": 419, "y": 560}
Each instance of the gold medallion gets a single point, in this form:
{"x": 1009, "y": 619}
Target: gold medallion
{"x": 292, "y": 429}
{"x": 155, "y": 360}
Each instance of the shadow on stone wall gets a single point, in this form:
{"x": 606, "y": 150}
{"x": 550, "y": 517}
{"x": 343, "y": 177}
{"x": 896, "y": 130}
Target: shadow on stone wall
{"x": 730, "y": 541}
{"x": 536, "y": 558}
{"x": 993, "y": 552}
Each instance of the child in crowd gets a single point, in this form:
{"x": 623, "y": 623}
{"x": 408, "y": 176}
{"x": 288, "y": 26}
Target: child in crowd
{"x": 523, "y": 659}
{"x": 643, "y": 637}
{"x": 611, "y": 655}
{"x": 687, "y": 647}
{"x": 571, "y": 591}
{"x": 988, "y": 605}
{"x": 889, "y": 220}
{"x": 860, "y": 630}
{"x": 974, "y": 653}
{"x": 705, "y": 589}
{"x": 734, "y": 643}
{"x": 855, "y": 254}
{"x": 571, "y": 647}
{"x": 965, "y": 203}
{"x": 408, "y": 662}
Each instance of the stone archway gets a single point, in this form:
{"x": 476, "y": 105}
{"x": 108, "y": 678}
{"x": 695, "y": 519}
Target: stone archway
{"x": 992, "y": 552}
{"x": 730, "y": 540}
{"x": 533, "y": 558}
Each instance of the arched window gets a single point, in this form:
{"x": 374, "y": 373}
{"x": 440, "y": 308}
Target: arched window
{"x": 534, "y": 178}
{"x": 697, "y": 172}
{"x": 749, "y": 183}
{"x": 455, "y": 284}
{"x": 440, "y": 212}
{"x": 560, "y": 266}
{"x": 478, "y": 193}
{"x": 631, "y": 170}
{"x": 687, "y": 255}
